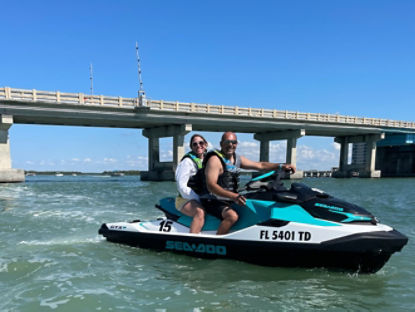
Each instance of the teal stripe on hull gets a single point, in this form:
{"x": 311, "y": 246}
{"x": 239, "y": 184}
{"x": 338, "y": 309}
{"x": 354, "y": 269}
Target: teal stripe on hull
{"x": 296, "y": 213}
{"x": 255, "y": 211}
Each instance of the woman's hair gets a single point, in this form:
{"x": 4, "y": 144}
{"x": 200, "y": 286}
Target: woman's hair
{"x": 197, "y": 135}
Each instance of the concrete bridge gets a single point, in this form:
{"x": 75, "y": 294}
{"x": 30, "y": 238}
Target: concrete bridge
{"x": 317, "y": 173}
{"x": 161, "y": 118}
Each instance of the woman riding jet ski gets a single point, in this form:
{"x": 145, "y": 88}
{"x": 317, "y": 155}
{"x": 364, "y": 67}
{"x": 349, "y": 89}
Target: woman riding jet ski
{"x": 300, "y": 226}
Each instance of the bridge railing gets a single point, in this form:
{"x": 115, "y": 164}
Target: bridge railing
{"x": 24, "y": 95}
{"x": 65, "y": 98}
{"x": 276, "y": 114}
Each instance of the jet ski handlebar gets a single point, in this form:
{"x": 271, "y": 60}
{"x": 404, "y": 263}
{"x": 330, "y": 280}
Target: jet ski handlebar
{"x": 267, "y": 181}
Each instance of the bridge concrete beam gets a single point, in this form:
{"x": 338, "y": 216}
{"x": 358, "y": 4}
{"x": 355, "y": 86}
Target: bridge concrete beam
{"x": 291, "y": 153}
{"x": 360, "y": 138}
{"x": 279, "y": 135}
{"x": 367, "y": 169}
{"x": 167, "y": 131}
{"x": 7, "y": 174}
{"x": 158, "y": 171}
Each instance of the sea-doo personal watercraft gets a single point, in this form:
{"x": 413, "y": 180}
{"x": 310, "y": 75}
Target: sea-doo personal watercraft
{"x": 300, "y": 226}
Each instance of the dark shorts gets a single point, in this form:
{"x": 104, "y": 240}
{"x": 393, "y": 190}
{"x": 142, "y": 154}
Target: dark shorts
{"x": 215, "y": 207}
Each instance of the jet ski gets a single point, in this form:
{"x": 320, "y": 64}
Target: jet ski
{"x": 295, "y": 227}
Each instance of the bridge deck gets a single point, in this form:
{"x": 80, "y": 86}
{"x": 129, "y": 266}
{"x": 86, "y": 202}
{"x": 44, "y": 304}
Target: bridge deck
{"x": 45, "y": 107}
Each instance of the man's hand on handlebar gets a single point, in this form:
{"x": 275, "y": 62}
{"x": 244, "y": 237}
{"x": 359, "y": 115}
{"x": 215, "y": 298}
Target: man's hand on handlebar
{"x": 240, "y": 200}
{"x": 288, "y": 167}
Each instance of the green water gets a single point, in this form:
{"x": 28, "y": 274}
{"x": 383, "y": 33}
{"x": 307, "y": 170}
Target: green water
{"x": 51, "y": 257}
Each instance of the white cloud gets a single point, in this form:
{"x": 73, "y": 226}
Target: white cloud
{"x": 110, "y": 160}
{"x": 137, "y": 163}
{"x": 277, "y": 151}
{"x": 305, "y": 153}
{"x": 320, "y": 159}
{"x": 248, "y": 149}
{"x": 166, "y": 155}
{"x": 309, "y": 156}
{"x": 248, "y": 144}
{"x": 210, "y": 144}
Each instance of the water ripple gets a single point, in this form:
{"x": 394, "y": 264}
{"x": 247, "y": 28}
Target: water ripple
{"x": 52, "y": 257}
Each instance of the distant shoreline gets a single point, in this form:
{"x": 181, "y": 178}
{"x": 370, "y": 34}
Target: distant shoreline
{"x": 78, "y": 173}
{"x": 103, "y": 173}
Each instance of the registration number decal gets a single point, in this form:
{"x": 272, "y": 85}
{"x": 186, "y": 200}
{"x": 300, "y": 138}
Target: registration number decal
{"x": 285, "y": 235}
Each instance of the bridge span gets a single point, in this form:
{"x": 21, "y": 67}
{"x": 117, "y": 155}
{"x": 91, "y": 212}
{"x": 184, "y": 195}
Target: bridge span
{"x": 161, "y": 118}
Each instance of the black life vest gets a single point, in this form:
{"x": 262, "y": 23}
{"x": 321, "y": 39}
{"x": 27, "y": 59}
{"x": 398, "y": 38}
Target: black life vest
{"x": 229, "y": 179}
{"x": 196, "y": 182}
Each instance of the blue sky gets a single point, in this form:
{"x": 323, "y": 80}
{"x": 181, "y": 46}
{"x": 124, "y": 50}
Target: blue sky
{"x": 347, "y": 57}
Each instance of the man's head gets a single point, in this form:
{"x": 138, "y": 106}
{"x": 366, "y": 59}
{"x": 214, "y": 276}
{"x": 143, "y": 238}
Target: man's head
{"x": 228, "y": 143}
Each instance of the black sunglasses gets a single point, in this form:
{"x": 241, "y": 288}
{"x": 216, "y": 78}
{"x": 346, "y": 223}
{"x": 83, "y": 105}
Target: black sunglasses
{"x": 234, "y": 142}
{"x": 201, "y": 143}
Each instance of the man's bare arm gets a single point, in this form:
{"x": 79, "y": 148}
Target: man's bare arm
{"x": 263, "y": 165}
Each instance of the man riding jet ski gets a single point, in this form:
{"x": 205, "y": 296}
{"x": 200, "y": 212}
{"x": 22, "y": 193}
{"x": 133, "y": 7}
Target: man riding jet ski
{"x": 221, "y": 180}
{"x": 296, "y": 227}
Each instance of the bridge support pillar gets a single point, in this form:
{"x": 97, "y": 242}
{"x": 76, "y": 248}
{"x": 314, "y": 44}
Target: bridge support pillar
{"x": 291, "y": 154}
{"x": 7, "y": 174}
{"x": 343, "y": 171}
{"x": 164, "y": 171}
{"x": 370, "y": 161}
{"x": 264, "y": 150}
{"x": 365, "y": 167}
